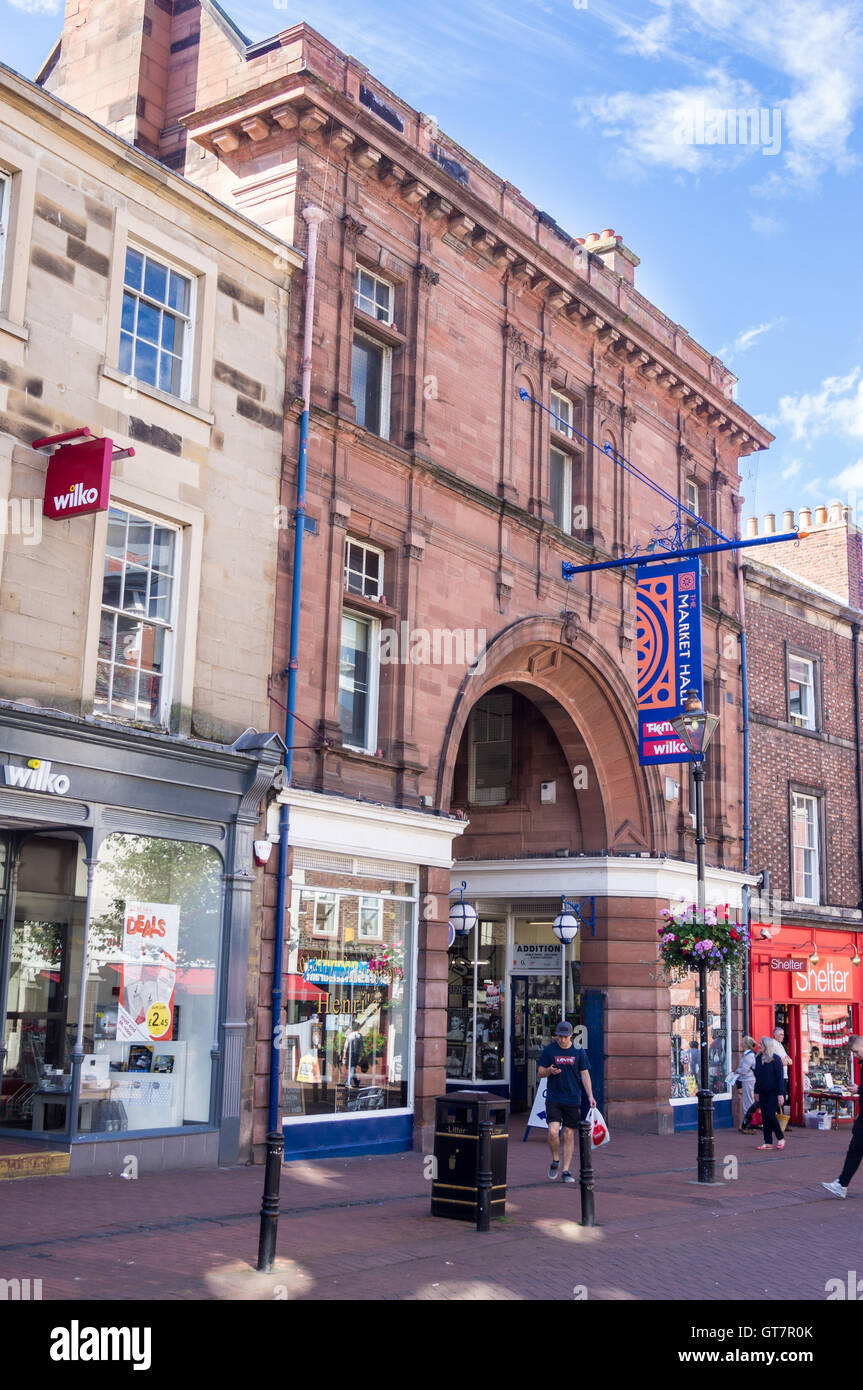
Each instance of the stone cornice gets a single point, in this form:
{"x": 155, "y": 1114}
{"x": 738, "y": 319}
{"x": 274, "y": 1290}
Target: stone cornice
{"x": 306, "y": 104}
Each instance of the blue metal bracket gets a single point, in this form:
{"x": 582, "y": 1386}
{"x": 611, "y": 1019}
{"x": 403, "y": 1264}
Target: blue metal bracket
{"x": 584, "y": 909}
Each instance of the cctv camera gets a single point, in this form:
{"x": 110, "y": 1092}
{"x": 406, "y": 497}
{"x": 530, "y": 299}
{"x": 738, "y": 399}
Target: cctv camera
{"x": 765, "y": 933}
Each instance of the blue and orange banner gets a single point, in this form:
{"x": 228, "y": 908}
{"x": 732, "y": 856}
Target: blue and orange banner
{"x": 668, "y": 646}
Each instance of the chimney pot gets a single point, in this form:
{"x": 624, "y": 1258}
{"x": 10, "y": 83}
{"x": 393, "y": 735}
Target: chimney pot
{"x": 607, "y": 233}
{"x": 805, "y": 518}
{"x": 592, "y": 237}
{"x": 579, "y": 241}
{"x": 751, "y": 527}
{"x": 835, "y": 511}
{"x": 770, "y": 524}
{"x": 787, "y": 521}
{"x": 820, "y": 516}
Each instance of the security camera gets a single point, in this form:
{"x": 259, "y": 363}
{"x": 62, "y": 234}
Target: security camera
{"x": 765, "y": 933}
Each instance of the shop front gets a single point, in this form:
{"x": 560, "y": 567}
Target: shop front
{"x": 125, "y": 889}
{"x": 809, "y": 982}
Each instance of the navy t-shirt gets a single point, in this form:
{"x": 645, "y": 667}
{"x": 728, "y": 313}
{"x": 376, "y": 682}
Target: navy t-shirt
{"x": 566, "y": 1088}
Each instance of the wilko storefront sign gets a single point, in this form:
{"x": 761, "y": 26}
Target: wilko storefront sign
{"x": 78, "y": 479}
{"x": 36, "y": 776}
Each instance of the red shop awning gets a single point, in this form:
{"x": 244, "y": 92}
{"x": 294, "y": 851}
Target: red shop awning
{"x": 298, "y": 988}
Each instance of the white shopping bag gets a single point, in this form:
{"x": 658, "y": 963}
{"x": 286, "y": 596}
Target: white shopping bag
{"x": 599, "y": 1134}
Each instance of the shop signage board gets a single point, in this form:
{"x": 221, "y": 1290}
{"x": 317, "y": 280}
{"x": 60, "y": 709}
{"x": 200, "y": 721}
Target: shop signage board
{"x": 536, "y": 959}
{"x": 537, "y": 1118}
{"x": 668, "y": 651}
{"x": 149, "y": 971}
{"x": 36, "y": 775}
{"x": 834, "y": 977}
{"x": 78, "y": 479}
{"x": 328, "y": 971}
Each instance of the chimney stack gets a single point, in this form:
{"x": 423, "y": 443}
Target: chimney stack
{"x": 611, "y": 251}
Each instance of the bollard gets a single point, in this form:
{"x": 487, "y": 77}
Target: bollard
{"x": 585, "y": 1153}
{"x": 706, "y": 1157}
{"x": 483, "y": 1177}
{"x": 270, "y": 1202}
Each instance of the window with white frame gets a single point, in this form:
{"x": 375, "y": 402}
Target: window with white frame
{"x": 371, "y": 923}
{"x": 374, "y": 296}
{"x": 137, "y": 633}
{"x": 364, "y": 569}
{"x": 560, "y": 489}
{"x": 801, "y": 691}
{"x": 325, "y": 918}
{"x": 805, "y": 848}
{"x": 371, "y": 381}
{"x": 5, "y": 205}
{"x": 490, "y": 750}
{"x": 358, "y": 681}
{"x": 156, "y": 326}
{"x": 562, "y": 414}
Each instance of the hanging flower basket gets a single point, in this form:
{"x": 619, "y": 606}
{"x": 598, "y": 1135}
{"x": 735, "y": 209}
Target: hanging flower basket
{"x": 686, "y": 939}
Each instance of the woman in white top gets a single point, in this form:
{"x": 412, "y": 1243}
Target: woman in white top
{"x": 746, "y": 1077}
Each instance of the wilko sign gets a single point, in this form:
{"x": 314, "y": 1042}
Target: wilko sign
{"x": 78, "y": 480}
{"x": 668, "y": 648}
{"x": 36, "y": 777}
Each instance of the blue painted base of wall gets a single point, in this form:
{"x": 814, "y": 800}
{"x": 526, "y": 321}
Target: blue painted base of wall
{"x": 686, "y": 1116}
{"x": 336, "y": 1138}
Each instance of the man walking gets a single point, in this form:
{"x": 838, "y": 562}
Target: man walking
{"x": 839, "y": 1188}
{"x": 566, "y": 1067}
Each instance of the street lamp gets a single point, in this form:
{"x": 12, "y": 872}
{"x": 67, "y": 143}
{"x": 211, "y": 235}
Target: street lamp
{"x": 695, "y": 727}
{"x": 464, "y": 919}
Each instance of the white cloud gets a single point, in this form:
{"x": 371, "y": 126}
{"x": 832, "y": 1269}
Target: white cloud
{"x": 792, "y": 470}
{"x": 850, "y": 477}
{"x": 745, "y": 339}
{"x": 661, "y": 128}
{"x": 814, "y": 48}
{"x": 837, "y": 408}
{"x": 36, "y": 6}
{"x": 764, "y": 225}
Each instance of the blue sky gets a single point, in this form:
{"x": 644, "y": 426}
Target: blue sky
{"x": 612, "y": 114}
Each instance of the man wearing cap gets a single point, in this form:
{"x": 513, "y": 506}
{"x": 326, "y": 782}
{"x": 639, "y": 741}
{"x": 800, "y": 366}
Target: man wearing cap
{"x": 566, "y": 1067}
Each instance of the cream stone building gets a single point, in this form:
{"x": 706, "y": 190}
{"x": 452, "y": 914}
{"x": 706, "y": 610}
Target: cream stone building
{"x": 136, "y": 637}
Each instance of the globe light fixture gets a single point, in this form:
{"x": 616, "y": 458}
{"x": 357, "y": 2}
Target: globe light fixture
{"x": 462, "y": 916}
{"x": 567, "y": 922}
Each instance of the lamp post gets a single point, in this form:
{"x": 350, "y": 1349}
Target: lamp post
{"x": 464, "y": 919}
{"x": 696, "y": 728}
{"x": 566, "y": 927}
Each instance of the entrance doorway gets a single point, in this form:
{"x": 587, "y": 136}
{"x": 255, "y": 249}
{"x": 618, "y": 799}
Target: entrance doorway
{"x": 536, "y": 1012}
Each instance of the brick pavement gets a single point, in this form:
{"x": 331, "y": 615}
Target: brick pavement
{"x": 360, "y": 1229}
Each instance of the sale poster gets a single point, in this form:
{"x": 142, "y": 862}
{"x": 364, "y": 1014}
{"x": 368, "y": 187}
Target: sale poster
{"x": 149, "y": 971}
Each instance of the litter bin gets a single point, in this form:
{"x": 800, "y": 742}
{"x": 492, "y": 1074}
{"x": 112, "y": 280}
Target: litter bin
{"x": 470, "y": 1157}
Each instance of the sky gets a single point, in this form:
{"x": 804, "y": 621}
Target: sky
{"x": 610, "y": 114}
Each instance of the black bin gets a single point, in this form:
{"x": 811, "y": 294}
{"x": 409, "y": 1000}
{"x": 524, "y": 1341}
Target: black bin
{"x": 457, "y": 1151}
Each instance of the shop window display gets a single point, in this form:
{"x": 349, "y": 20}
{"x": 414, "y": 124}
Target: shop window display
{"x": 825, "y": 1035}
{"x": 477, "y": 1053}
{"x": 149, "y": 984}
{"x": 685, "y": 1044}
{"x": 346, "y": 1040}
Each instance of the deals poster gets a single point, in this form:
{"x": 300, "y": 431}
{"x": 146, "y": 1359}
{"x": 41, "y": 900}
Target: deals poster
{"x": 150, "y": 935}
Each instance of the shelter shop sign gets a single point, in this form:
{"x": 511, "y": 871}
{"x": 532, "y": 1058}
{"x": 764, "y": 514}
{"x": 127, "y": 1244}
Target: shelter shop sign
{"x": 36, "y": 776}
{"x": 668, "y": 642}
{"x": 831, "y": 978}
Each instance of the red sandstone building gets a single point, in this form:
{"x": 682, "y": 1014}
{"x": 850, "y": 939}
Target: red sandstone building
{"x": 804, "y": 608}
{"x": 467, "y": 715}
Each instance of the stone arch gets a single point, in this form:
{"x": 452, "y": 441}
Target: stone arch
{"x": 585, "y": 699}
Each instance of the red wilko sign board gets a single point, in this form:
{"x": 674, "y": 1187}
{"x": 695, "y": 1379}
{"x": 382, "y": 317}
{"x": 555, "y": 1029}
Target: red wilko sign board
{"x": 78, "y": 479}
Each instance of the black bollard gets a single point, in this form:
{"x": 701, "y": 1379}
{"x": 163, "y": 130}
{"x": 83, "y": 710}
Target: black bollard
{"x": 483, "y": 1177}
{"x": 270, "y": 1202}
{"x": 585, "y": 1153}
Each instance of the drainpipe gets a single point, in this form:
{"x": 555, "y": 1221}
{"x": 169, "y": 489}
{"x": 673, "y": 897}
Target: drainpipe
{"x": 314, "y": 217}
{"x": 855, "y": 634}
{"x": 744, "y": 685}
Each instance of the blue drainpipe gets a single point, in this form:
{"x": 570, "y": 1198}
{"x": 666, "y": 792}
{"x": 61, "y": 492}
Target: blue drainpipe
{"x": 314, "y": 217}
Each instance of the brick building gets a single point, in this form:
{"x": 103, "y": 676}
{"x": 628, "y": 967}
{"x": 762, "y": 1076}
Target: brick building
{"x": 135, "y": 306}
{"x": 804, "y": 608}
{"x": 443, "y": 504}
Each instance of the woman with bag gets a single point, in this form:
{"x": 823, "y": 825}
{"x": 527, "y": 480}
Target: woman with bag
{"x": 746, "y": 1082}
{"x": 769, "y": 1085}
